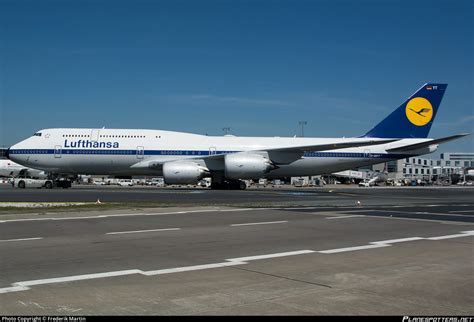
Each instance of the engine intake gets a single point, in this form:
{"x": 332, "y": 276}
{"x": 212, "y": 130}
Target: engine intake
{"x": 183, "y": 172}
{"x": 247, "y": 166}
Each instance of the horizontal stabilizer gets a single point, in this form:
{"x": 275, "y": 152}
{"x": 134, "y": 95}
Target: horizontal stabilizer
{"x": 427, "y": 143}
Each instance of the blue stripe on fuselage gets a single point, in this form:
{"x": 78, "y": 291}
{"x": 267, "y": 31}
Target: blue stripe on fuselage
{"x": 201, "y": 153}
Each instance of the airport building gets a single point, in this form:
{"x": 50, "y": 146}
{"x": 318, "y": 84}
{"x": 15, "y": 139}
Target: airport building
{"x": 415, "y": 168}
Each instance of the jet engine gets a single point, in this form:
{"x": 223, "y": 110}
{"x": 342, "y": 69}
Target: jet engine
{"x": 247, "y": 166}
{"x": 183, "y": 172}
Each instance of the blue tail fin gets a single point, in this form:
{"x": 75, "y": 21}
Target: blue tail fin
{"x": 413, "y": 119}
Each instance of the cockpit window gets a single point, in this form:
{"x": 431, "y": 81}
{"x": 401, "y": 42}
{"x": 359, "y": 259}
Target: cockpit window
{"x": 37, "y": 134}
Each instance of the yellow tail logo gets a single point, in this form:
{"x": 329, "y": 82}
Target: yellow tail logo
{"x": 419, "y": 111}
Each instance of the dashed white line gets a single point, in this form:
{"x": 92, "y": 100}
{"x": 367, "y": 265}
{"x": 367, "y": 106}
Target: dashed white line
{"x": 20, "y": 239}
{"x": 141, "y": 231}
{"x": 260, "y": 223}
{"x": 472, "y": 210}
{"x": 343, "y": 217}
{"x": 127, "y": 215}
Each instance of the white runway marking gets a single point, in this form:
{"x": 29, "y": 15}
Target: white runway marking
{"x": 412, "y": 212}
{"x": 127, "y": 215}
{"x": 254, "y": 258}
{"x": 343, "y": 217}
{"x": 141, "y": 231}
{"x": 462, "y": 234}
{"x": 394, "y": 241}
{"x": 260, "y": 223}
{"x": 472, "y": 210}
{"x": 350, "y": 249}
{"x": 19, "y": 239}
{"x": 26, "y": 285}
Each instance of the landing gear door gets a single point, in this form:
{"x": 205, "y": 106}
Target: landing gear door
{"x": 140, "y": 152}
{"x": 95, "y": 135}
{"x": 57, "y": 151}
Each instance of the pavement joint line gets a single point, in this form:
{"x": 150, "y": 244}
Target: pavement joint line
{"x": 141, "y": 231}
{"x": 20, "y": 239}
{"x": 26, "y": 285}
{"x": 260, "y": 223}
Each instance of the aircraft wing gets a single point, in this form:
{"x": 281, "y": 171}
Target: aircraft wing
{"x": 330, "y": 146}
{"x": 279, "y": 155}
{"x": 421, "y": 145}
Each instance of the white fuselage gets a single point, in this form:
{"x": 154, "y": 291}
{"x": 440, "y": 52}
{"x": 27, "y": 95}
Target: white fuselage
{"x": 115, "y": 151}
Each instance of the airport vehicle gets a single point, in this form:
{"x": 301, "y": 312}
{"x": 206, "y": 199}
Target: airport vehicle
{"x": 125, "y": 183}
{"x": 23, "y": 182}
{"x": 185, "y": 158}
{"x": 155, "y": 182}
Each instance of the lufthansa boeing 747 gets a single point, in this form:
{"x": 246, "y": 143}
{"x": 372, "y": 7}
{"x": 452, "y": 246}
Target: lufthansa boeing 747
{"x": 185, "y": 158}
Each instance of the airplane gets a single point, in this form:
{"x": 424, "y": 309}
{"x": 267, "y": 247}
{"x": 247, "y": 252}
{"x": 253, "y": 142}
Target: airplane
{"x": 186, "y": 158}
{"x": 10, "y": 169}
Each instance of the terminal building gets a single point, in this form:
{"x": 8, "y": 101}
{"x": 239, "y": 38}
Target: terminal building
{"x": 415, "y": 168}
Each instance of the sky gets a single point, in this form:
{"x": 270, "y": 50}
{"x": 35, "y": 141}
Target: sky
{"x": 256, "y": 67}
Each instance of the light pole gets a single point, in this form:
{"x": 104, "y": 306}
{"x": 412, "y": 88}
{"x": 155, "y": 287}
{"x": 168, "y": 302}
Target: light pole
{"x": 302, "y": 123}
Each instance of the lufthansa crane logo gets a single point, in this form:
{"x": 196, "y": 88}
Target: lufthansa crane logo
{"x": 419, "y": 111}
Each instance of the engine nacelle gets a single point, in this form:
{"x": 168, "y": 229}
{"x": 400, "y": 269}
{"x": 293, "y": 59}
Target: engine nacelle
{"x": 247, "y": 166}
{"x": 183, "y": 172}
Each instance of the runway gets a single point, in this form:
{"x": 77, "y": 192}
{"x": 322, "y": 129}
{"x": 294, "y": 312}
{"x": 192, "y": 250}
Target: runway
{"x": 396, "y": 259}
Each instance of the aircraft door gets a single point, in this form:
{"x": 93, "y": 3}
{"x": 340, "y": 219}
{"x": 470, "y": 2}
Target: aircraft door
{"x": 140, "y": 152}
{"x": 95, "y": 135}
{"x": 57, "y": 151}
{"x": 367, "y": 154}
{"x": 212, "y": 150}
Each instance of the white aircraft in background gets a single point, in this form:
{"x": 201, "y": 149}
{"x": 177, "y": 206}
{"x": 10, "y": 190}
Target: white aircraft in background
{"x": 10, "y": 169}
{"x": 184, "y": 158}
